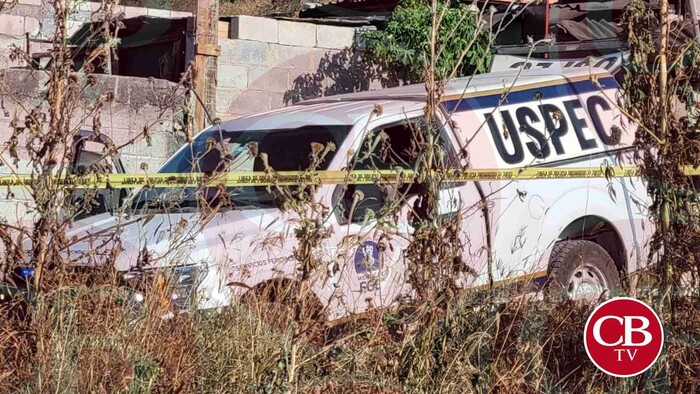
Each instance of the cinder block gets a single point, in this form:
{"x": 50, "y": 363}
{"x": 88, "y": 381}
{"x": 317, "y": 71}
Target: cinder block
{"x": 334, "y": 37}
{"x": 278, "y": 101}
{"x": 32, "y": 26}
{"x": 160, "y": 148}
{"x": 82, "y": 17}
{"x": 180, "y": 14}
{"x": 244, "y": 52}
{"x": 250, "y": 102}
{"x": 158, "y": 13}
{"x": 224, "y": 99}
{"x": 89, "y": 6}
{"x": 11, "y": 25}
{"x": 104, "y": 84}
{"x": 297, "y": 33}
{"x": 254, "y": 28}
{"x": 230, "y": 76}
{"x": 268, "y": 79}
{"x": 119, "y": 135}
{"x": 96, "y": 5}
{"x": 73, "y": 26}
{"x": 321, "y": 55}
{"x": 132, "y": 12}
{"x": 292, "y": 57}
{"x": 6, "y": 42}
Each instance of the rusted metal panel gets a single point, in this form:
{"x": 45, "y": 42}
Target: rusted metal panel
{"x": 589, "y": 29}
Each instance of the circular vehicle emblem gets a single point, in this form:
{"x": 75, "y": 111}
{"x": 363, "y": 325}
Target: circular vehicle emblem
{"x": 623, "y": 337}
{"x": 367, "y": 257}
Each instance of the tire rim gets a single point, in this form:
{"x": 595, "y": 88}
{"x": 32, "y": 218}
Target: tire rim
{"x": 587, "y": 283}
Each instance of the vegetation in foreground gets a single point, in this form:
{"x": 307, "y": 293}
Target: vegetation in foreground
{"x": 82, "y": 334}
{"x": 98, "y": 343}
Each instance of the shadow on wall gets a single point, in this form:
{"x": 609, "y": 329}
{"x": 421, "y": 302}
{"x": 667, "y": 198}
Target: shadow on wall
{"x": 347, "y": 71}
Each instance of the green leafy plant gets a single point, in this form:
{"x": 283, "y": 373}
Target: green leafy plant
{"x": 405, "y": 42}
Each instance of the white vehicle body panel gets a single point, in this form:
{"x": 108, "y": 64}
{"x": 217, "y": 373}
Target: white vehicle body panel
{"x": 252, "y": 246}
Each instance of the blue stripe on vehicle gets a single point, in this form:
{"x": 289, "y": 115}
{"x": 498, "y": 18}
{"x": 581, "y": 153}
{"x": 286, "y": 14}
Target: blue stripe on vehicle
{"x": 524, "y": 96}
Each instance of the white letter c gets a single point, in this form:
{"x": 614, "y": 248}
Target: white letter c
{"x": 596, "y": 331}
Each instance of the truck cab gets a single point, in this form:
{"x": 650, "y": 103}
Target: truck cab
{"x": 580, "y": 236}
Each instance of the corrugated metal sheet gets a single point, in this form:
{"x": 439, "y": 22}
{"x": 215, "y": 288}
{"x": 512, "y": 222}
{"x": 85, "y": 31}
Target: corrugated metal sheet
{"x": 589, "y": 29}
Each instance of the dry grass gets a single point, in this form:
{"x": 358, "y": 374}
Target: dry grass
{"x": 100, "y": 344}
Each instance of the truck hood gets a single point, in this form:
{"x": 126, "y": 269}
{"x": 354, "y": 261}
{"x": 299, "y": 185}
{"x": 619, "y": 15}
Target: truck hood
{"x": 157, "y": 240}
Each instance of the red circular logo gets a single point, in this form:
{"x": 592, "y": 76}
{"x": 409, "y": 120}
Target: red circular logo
{"x": 623, "y": 337}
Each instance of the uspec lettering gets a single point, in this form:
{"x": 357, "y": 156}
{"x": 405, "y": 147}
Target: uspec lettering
{"x": 541, "y": 131}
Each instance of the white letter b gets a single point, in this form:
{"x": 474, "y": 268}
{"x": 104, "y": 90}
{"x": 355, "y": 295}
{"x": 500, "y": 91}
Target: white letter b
{"x": 629, "y": 329}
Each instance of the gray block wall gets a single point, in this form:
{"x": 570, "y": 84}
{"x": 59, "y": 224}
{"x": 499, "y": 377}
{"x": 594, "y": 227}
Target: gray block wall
{"x": 263, "y": 59}
{"x": 138, "y": 103}
{"x": 260, "y": 68}
{"x": 36, "y": 17}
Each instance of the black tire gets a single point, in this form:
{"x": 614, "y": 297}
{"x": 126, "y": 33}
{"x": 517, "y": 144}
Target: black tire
{"x": 576, "y": 266}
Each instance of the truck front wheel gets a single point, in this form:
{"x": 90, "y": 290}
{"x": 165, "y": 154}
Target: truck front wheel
{"x": 582, "y": 270}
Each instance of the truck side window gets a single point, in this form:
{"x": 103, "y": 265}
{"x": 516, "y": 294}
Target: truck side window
{"x": 88, "y": 161}
{"x": 386, "y": 148}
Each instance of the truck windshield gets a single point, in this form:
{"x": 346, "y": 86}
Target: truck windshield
{"x": 217, "y": 150}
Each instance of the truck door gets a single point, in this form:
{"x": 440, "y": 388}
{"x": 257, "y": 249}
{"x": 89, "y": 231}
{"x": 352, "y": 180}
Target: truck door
{"x": 375, "y": 221}
{"x": 468, "y": 201}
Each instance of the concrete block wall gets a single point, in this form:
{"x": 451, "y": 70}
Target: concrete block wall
{"x": 132, "y": 109}
{"x": 16, "y": 20}
{"x": 258, "y": 65}
{"x": 138, "y": 102}
{"x": 85, "y": 11}
{"x": 36, "y": 17}
{"x": 262, "y": 57}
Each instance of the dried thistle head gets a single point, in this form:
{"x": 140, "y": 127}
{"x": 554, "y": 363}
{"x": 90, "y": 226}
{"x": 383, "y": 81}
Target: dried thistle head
{"x": 253, "y": 150}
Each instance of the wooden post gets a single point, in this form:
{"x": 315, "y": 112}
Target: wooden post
{"x": 207, "y": 51}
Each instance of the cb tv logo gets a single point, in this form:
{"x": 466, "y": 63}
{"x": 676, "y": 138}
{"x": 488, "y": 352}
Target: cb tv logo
{"x": 623, "y": 337}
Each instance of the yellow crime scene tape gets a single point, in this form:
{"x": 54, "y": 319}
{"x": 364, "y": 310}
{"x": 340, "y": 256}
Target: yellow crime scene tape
{"x": 358, "y": 177}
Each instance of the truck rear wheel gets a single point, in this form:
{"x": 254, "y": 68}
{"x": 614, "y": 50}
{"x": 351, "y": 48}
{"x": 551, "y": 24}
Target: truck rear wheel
{"x": 582, "y": 270}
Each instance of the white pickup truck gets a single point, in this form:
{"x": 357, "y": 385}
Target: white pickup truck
{"x": 584, "y": 234}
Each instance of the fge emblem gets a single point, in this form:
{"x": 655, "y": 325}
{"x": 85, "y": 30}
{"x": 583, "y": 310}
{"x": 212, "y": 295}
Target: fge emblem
{"x": 623, "y": 337}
